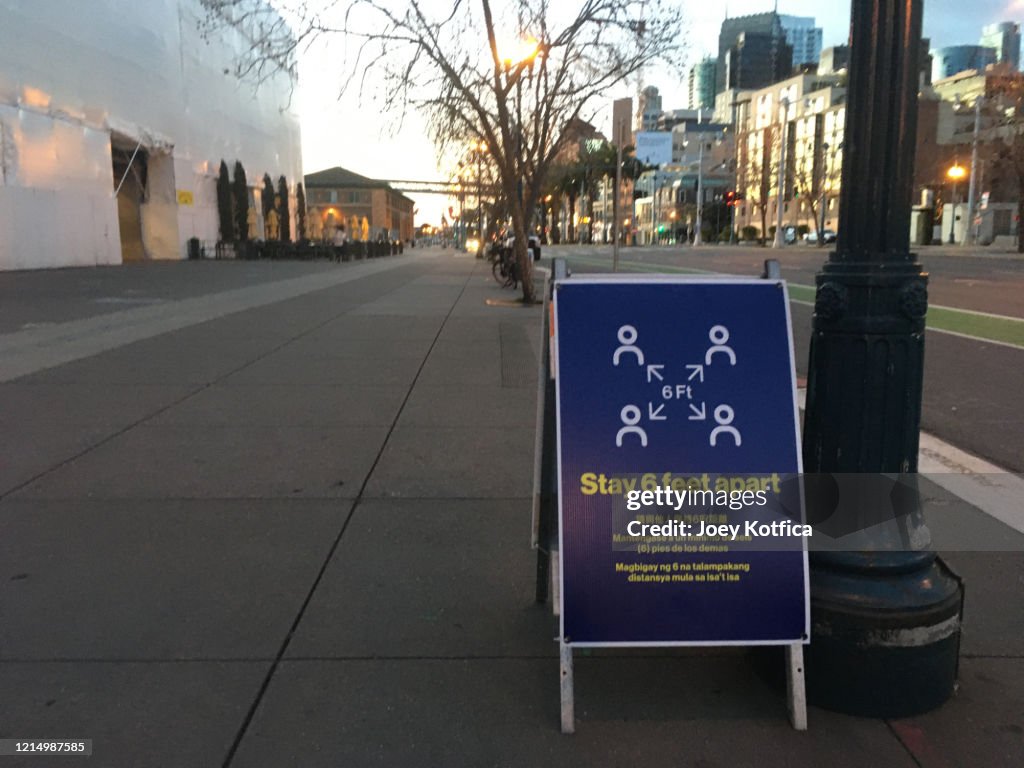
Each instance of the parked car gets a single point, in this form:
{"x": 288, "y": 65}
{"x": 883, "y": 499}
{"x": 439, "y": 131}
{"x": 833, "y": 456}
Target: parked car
{"x": 828, "y": 236}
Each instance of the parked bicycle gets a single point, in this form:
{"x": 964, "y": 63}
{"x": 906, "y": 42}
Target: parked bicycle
{"x": 503, "y": 264}
{"x": 503, "y": 260}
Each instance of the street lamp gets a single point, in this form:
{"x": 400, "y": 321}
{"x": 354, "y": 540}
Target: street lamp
{"x": 620, "y": 135}
{"x": 700, "y": 191}
{"x": 527, "y": 51}
{"x": 970, "y": 235}
{"x": 784, "y": 108}
{"x": 885, "y": 617}
{"x": 955, "y": 174}
{"x": 654, "y": 204}
{"x": 825, "y": 147}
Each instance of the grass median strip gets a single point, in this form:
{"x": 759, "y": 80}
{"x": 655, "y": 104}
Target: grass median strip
{"x": 1005, "y": 330}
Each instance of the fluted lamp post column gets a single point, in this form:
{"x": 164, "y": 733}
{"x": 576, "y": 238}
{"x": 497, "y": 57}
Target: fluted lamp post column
{"x": 886, "y": 619}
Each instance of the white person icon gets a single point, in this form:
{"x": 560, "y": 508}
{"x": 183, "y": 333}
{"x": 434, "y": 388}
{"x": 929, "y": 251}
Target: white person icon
{"x": 627, "y": 338}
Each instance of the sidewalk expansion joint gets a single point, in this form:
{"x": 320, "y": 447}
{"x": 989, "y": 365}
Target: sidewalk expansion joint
{"x": 251, "y": 713}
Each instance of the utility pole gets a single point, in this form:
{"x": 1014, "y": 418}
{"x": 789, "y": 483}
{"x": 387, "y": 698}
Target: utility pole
{"x": 620, "y": 137}
{"x": 824, "y": 192}
{"x": 885, "y": 613}
{"x": 970, "y": 235}
{"x": 654, "y": 204}
{"x": 779, "y": 240}
{"x": 700, "y": 190}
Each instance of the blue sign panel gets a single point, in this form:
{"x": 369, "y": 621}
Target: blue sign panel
{"x": 680, "y": 518}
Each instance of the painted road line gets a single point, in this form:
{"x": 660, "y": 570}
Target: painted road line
{"x": 1001, "y": 330}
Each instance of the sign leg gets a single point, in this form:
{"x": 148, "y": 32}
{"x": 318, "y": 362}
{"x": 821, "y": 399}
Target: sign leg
{"x": 568, "y": 697}
{"x": 543, "y": 575}
{"x": 795, "y": 690}
{"x": 556, "y": 585}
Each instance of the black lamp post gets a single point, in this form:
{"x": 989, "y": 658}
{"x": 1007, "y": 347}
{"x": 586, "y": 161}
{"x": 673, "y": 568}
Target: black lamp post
{"x": 885, "y": 618}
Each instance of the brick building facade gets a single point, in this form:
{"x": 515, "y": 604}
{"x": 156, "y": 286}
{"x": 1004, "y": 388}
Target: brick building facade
{"x": 336, "y": 195}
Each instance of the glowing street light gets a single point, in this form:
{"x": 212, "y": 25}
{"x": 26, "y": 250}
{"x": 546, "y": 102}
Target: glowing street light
{"x": 523, "y": 52}
{"x": 955, "y": 174}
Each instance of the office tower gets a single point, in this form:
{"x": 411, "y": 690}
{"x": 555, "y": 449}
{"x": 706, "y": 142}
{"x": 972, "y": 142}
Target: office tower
{"x": 804, "y": 37}
{"x": 752, "y": 52}
{"x": 1005, "y": 39}
{"x": 648, "y": 109}
{"x": 702, "y": 84}
{"x": 954, "y": 59}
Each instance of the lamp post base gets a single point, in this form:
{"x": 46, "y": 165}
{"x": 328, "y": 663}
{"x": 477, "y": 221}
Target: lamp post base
{"x": 885, "y": 641}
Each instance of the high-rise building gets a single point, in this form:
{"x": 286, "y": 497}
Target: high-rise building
{"x": 622, "y": 122}
{"x": 702, "y": 84}
{"x": 804, "y": 37}
{"x": 648, "y": 109}
{"x": 814, "y": 116}
{"x": 757, "y": 60}
{"x": 1005, "y": 39}
{"x": 752, "y": 52}
{"x": 954, "y": 59}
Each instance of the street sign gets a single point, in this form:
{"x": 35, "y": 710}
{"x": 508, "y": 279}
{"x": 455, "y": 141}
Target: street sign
{"x": 654, "y": 147}
{"x": 681, "y": 388}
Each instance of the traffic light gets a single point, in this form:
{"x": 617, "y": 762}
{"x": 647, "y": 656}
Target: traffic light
{"x": 730, "y": 198}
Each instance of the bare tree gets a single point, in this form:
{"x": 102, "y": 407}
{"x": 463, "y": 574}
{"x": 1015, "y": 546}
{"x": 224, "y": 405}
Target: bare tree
{"x": 758, "y": 167}
{"x": 807, "y": 181}
{"x": 1004, "y": 142}
{"x": 456, "y": 68}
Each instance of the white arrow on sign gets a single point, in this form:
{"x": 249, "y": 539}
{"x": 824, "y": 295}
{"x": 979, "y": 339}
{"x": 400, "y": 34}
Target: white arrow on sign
{"x": 654, "y": 413}
{"x": 698, "y": 415}
{"x": 652, "y": 370}
{"x": 698, "y": 370}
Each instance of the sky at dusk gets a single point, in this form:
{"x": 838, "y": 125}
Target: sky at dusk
{"x": 352, "y": 132}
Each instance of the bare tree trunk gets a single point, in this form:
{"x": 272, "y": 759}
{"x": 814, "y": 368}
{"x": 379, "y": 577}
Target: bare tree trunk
{"x": 522, "y": 252}
{"x": 817, "y": 223}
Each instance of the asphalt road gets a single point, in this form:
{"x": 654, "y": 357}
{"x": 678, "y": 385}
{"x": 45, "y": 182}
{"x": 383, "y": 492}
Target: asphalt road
{"x": 974, "y": 376}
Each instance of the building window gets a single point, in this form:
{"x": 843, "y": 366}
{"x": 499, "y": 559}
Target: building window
{"x": 334, "y": 196}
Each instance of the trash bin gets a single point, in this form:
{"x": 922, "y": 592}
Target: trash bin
{"x": 195, "y": 251}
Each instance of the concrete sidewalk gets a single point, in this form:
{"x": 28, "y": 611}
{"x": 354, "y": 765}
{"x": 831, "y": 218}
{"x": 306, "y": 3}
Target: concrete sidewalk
{"x": 297, "y": 535}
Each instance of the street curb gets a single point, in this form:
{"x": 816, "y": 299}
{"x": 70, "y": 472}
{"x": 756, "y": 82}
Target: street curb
{"x": 992, "y": 489}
